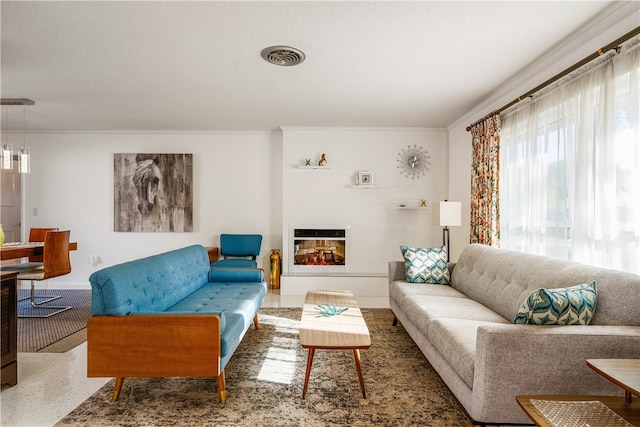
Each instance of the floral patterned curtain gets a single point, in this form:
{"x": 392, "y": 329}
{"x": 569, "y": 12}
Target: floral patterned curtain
{"x": 485, "y": 180}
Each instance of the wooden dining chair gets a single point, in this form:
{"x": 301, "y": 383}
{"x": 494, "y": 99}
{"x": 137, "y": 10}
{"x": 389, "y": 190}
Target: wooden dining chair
{"x": 55, "y": 262}
{"x": 36, "y": 235}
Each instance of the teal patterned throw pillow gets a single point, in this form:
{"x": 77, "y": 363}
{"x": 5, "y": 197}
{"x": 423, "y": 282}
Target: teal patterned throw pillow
{"x": 563, "y": 306}
{"x": 426, "y": 265}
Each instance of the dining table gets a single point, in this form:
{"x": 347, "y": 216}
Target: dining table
{"x": 15, "y": 250}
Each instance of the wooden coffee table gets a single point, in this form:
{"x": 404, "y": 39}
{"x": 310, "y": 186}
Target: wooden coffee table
{"x": 345, "y": 331}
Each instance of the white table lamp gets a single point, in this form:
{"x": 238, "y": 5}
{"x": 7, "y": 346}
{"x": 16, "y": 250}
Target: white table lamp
{"x": 447, "y": 214}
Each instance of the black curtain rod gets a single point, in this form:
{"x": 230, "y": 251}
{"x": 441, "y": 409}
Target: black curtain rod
{"x": 613, "y": 45}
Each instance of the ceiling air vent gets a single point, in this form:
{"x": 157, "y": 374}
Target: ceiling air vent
{"x": 284, "y": 56}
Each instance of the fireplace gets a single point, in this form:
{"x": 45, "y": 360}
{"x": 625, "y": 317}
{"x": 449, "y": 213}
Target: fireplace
{"x": 318, "y": 250}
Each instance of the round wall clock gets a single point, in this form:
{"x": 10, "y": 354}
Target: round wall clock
{"x": 413, "y": 161}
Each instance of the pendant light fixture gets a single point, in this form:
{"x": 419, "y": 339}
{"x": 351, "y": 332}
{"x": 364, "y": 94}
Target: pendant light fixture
{"x": 24, "y": 159}
{"x": 7, "y": 148}
{"x": 24, "y": 155}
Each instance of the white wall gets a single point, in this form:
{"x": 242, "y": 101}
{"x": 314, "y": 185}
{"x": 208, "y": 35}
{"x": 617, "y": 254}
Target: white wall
{"x": 621, "y": 19}
{"x": 71, "y": 187}
{"x": 243, "y": 182}
{"x": 324, "y": 197}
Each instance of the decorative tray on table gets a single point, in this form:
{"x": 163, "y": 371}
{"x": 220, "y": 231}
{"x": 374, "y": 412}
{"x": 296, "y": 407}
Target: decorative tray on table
{"x": 331, "y": 310}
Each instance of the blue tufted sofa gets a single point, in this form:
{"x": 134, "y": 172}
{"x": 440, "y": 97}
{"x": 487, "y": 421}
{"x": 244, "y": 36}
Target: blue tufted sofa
{"x": 170, "y": 315}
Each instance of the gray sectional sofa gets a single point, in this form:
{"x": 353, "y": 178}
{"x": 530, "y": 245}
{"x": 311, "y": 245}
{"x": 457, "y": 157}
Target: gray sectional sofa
{"x": 466, "y": 330}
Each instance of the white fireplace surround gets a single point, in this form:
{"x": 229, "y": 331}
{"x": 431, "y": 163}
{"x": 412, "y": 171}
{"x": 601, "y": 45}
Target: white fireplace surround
{"x": 319, "y": 270}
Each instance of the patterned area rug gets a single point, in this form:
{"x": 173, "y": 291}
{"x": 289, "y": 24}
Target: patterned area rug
{"x": 264, "y": 383}
{"x": 59, "y": 333}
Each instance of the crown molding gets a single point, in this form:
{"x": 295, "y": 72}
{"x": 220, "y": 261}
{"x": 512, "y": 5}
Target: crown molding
{"x": 615, "y": 21}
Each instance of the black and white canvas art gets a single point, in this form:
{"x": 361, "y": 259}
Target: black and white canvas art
{"x": 153, "y": 192}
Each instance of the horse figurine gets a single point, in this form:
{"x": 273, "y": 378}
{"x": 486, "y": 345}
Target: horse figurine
{"x": 322, "y": 161}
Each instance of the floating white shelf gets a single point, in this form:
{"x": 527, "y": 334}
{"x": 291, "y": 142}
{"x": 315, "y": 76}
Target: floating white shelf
{"x": 366, "y": 187}
{"x": 313, "y": 167}
{"x": 413, "y": 208}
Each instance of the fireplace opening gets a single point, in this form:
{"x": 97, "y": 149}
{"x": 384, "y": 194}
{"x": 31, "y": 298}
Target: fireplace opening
{"x": 319, "y": 249}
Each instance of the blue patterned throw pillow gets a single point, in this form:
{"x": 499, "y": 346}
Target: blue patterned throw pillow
{"x": 574, "y": 305}
{"x": 426, "y": 265}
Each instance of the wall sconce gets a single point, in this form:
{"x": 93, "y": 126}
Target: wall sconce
{"x": 447, "y": 214}
{"x": 24, "y": 153}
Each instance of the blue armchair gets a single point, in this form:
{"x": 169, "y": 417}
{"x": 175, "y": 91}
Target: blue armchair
{"x": 238, "y": 251}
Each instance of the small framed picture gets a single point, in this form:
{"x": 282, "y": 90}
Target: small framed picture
{"x": 365, "y": 178}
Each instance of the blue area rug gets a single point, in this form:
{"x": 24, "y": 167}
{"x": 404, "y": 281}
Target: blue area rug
{"x": 59, "y": 333}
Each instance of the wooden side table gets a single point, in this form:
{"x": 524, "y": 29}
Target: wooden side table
{"x": 630, "y": 412}
{"x": 213, "y": 254}
{"x": 622, "y": 372}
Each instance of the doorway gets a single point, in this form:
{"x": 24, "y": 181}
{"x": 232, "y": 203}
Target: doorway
{"x": 11, "y": 203}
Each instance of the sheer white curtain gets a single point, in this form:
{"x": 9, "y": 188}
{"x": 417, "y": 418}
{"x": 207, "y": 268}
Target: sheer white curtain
{"x": 570, "y": 168}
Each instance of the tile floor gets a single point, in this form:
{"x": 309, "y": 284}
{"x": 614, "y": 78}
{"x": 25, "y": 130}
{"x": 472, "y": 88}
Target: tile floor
{"x": 50, "y": 385}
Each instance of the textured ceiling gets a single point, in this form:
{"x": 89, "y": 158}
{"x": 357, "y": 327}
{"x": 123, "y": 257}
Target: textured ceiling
{"x": 196, "y": 66}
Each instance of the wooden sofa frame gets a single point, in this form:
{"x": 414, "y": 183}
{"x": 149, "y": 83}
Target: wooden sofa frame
{"x": 158, "y": 345}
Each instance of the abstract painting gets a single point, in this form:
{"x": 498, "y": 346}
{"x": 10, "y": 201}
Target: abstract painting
{"x": 153, "y": 192}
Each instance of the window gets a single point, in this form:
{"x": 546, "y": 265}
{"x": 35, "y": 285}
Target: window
{"x": 570, "y": 168}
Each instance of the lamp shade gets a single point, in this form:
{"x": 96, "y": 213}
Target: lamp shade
{"x": 447, "y": 214}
